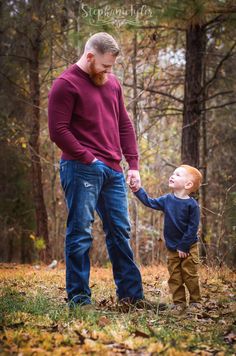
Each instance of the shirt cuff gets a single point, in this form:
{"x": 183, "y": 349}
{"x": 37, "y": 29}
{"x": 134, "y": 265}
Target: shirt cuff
{"x": 133, "y": 163}
{"x": 183, "y": 247}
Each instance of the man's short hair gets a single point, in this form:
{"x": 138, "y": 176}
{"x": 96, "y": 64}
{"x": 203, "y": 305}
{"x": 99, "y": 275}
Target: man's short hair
{"x": 196, "y": 176}
{"x": 102, "y": 43}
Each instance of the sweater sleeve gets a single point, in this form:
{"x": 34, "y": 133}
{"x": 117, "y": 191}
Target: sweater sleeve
{"x": 127, "y": 135}
{"x": 60, "y": 108}
{"x": 156, "y": 203}
{"x": 189, "y": 236}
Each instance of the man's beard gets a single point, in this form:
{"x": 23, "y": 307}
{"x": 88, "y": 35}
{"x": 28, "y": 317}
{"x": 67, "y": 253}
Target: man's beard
{"x": 98, "y": 79}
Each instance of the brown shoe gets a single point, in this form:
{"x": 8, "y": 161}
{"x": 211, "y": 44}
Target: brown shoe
{"x": 194, "y": 308}
{"x": 127, "y": 305}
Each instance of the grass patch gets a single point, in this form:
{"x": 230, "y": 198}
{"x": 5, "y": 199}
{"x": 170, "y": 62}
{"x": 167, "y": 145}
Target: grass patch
{"x": 34, "y": 317}
{"x": 12, "y": 301}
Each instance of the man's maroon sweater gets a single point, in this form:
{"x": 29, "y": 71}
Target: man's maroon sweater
{"x": 87, "y": 121}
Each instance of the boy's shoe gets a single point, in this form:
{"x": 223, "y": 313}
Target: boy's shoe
{"x": 194, "y": 308}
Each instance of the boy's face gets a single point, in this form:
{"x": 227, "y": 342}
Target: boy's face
{"x": 180, "y": 179}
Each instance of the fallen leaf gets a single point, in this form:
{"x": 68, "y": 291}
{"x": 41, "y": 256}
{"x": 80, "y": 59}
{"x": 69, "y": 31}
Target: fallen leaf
{"x": 81, "y": 337}
{"x": 139, "y": 333}
{"x": 103, "y": 321}
{"x": 16, "y": 325}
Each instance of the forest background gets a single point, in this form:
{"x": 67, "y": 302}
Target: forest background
{"x": 177, "y": 68}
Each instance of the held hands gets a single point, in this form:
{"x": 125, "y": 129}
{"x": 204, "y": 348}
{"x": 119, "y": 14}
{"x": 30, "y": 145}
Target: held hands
{"x": 133, "y": 180}
{"x": 182, "y": 254}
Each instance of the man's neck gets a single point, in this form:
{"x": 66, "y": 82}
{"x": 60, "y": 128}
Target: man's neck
{"x": 82, "y": 64}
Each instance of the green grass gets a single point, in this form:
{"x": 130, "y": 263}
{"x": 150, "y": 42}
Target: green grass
{"x": 34, "y": 316}
{"x": 12, "y": 301}
{"x": 33, "y": 312}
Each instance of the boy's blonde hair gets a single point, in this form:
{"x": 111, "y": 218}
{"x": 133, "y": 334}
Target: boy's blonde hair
{"x": 196, "y": 176}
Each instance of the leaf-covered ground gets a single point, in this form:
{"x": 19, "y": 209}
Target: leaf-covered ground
{"x": 34, "y": 319}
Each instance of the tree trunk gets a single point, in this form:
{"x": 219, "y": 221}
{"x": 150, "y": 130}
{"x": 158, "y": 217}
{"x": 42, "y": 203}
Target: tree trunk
{"x": 36, "y": 171}
{"x": 204, "y": 167}
{"x": 192, "y": 97}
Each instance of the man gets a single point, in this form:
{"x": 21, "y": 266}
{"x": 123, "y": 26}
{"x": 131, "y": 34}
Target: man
{"x": 89, "y": 123}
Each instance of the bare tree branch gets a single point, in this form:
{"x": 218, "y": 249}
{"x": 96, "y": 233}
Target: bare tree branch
{"x": 156, "y": 92}
{"x": 218, "y": 94}
{"x": 134, "y": 99}
{"x": 15, "y": 56}
{"x": 220, "y": 106}
{"x": 14, "y": 83}
{"x": 214, "y": 22}
{"x": 214, "y": 77}
{"x": 155, "y": 27}
{"x": 170, "y": 164}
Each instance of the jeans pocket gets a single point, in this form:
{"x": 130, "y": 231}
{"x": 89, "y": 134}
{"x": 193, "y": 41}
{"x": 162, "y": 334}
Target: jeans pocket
{"x": 63, "y": 163}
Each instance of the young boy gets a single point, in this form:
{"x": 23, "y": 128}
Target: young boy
{"x": 181, "y": 222}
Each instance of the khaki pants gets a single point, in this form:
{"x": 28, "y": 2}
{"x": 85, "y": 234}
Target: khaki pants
{"x": 184, "y": 271}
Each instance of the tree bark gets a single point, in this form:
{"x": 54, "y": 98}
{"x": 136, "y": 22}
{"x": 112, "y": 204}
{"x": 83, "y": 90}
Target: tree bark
{"x": 204, "y": 153}
{"x": 192, "y": 97}
{"x": 36, "y": 170}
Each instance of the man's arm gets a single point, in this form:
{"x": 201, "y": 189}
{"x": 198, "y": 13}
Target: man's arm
{"x": 128, "y": 144}
{"x": 127, "y": 135}
{"x": 60, "y": 108}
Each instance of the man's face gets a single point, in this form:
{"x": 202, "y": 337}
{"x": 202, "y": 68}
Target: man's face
{"x": 99, "y": 66}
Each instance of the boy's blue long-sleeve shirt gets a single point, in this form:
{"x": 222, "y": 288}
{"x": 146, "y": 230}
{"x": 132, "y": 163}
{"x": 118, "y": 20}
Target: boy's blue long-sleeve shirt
{"x": 181, "y": 220}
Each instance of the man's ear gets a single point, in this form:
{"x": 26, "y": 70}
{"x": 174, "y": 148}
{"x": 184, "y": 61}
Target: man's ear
{"x": 188, "y": 185}
{"x": 89, "y": 56}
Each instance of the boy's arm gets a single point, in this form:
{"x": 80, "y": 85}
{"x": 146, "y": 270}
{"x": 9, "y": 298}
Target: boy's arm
{"x": 158, "y": 203}
{"x": 189, "y": 236}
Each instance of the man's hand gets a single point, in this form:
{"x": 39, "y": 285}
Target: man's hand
{"x": 133, "y": 180}
{"x": 182, "y": 254}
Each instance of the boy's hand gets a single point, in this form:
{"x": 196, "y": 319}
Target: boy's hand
{"x": 182, "y": 254}
{"x": 133, "y": 189}
{"x": 133, "y": 180}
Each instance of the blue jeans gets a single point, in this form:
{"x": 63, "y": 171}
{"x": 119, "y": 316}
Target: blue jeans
{"x": 88, "y": 188}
